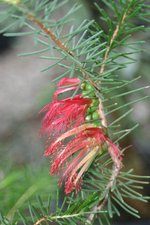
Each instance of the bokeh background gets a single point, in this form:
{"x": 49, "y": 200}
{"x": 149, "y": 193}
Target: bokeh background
{"x": 24, "y": 89}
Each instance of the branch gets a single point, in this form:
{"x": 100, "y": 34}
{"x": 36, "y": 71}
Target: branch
{"x": 115, "y": 34}
{"x": 57, "y": 217}
{"x": 45, "y": 218}
{"x": 49, "y": 33}
{"x": 61, "y": 45}
{"x": 117, "y": 163}
{"x": 101, "y": 204}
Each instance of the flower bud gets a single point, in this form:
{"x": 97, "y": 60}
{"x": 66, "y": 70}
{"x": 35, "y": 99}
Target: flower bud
{"x": 95, "y": 115}
{"x": 88, "y": 118}
{"x": 88, "y": 87}
{"x": 83, "y": 85}
{"x": 95, "y": 102}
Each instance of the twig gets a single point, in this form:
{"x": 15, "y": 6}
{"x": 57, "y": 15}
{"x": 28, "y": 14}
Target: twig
{"x": 55, "y": 218}
{"x": 102, "y": 114}
{"x": 49, "y": 33}
{"x": 41, "y": 220}
{"x": 115, "y": 33}
{"x": 117, "y": 163}
{"x": 101, "y": 204}
{"x": 61, "y": 45}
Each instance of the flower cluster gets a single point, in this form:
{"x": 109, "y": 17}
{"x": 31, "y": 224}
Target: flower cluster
{"x": 75, "y": 138}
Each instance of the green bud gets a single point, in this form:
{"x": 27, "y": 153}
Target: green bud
{"x": 97, "y": 123}
{"x": 84, "y": 93}
{"x": 89, "y": 94}
{"x": 92, "y": 94}
{"x": 92, "y": 109}
{"x": 83, "y": 85}
{"x": 87, "y": 90}
{"x": 95, "y": 102}
{"x": 88, "y": 87}
{"x": 95, "y": 115}
{"x": 88, "y": 110}
{"x": 88, "y": 118}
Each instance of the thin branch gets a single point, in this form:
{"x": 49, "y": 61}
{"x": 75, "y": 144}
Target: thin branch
{"x": 49, "y": 33}
{"x": 117, "y": 163}
{"x": 54, "y": 218}
{"x": 101, "y": 204}
{"x": 45, "y": 218}
{"x": 102, "y": 114}
{"x": 61, "y": 45}
{"x": 115, "y": 34}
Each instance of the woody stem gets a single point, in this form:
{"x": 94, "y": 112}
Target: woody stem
{"x": 61, "y": 45}
{"x": 117, "y": 163}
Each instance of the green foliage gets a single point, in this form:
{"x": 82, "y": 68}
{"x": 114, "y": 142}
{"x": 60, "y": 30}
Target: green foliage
{"x": 94, "y": 54}
{"x": 18, "y": 187}
{"x": 75, "y": 208}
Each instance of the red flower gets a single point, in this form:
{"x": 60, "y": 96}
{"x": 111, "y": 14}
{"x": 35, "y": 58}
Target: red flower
{"x": 74, "y": 151}
{"x": 62, "y": 115}
{"x": 72, "y": 143}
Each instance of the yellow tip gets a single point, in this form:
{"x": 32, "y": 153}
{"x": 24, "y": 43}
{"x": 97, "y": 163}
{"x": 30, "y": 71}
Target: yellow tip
{"x": 13, "y": 2}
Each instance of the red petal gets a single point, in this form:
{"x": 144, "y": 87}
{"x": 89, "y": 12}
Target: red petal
{"x": 72, "y": 165}
{"x": 68, "y": 81}
{"x": 52, "y": 148}
{"x": 64, "y": 114}
{"x": 70, "y": 186}
{"x": 62, "y": 90}
{"x": 72, "y": 147}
